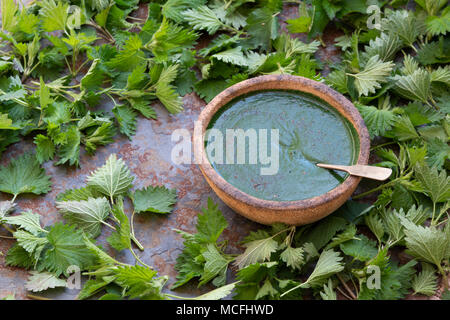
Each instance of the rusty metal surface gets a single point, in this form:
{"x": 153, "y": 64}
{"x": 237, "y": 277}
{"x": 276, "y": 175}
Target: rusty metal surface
{"x": 148, "y": 157}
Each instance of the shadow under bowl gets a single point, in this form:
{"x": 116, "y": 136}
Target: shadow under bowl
{"x": 297, "y": 212}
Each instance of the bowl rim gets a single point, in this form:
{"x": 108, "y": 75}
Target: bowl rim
{"x": 280, "y": 82}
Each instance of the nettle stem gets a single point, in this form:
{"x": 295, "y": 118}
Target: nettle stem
{"x": 362, "y": 195}
{"x": 139, "y": 259}
{"x": 8, "y": 228}
{"x": 444, "y": 276}
{"x": 347, "y": 288}
{"x": 133, "y": 236}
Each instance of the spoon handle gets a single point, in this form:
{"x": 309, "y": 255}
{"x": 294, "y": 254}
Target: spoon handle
{"x": 370, "y": 172}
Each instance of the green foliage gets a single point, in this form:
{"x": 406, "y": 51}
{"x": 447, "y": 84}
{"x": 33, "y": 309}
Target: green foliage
{"x": 374, "y": 73}
{"x": 428, "y": 244}
{"x": 154, "y": 199}
{"x": 88, "y": 215}
{"x": 24, "y": 175}
{"x": 425, "y": 282}
{"x": 40, "y": 281}
{"x": 203, "y": 256}
{"x": 111, "y": 179}
{"x": 120, "y": 238}
{"x": 362, "y": 248}
{"x": 65, "y": 248}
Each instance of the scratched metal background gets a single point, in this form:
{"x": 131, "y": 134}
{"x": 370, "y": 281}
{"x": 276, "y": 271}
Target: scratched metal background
{"x": 148, "y": 157}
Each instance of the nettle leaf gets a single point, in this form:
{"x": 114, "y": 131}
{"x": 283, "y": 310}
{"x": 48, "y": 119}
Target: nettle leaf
{"x": 216, "y": 266}
{"x": 40, "y": 281}
{"x": 92, "y": 286}
{"x": 140, "y": 282}
{"x": 328, "y": 264}
{"x": 211, "y": 223}
{"x": 218, "y": 293}
{"x": 99, "y": 5}
{"x": 93, "y": 79}
{"x": 120, "y": 238}
{"x": 414, "y": 86}
{"x": 403, "y": 129}
{"x": 111, "y": 179}
{"x": 420, "y": 114}
{"x": 88, "y": 215}
{"x": 9, "y": 10}
{"x": 19, "y": 257}
{"x": 219, "y": 43}
{"x": 375, "y": 224}
{"x": 437, "y": 25}
{"x": 54, "y": 14}
{"x": 266, "y": 290}
{"x": 435, "y": 184}
{"x": 362, "y": 248}
{"x": 428, "y": 244}
{"x": 293, "y": 257}
{"x": 323, "y": 232}
{"x": 418, "y": 215}
{"x": 28, "y": 22}
{"x": 157, "y": 199}
{"x": 129, "y": 57}
{"x": 404, "y": 24}
{"x": 166, "y": 93}
{"x": 57, "y": 112}
{"x": 6, "y": 123}
{"x": 438, "y": 151}
{"x": 262, "y": 25}
{"x": 441, "y": 74}
{"x": 127, "y": 119}
{"x": 432, "y": 132}
{"x": 385, "y": 46}
{"x": 33, "y": 244}
{"x": 170, "y": 38}
{"x": 338, "y": 80}
{"x": 66, "y": 248}
{"x": 431, "y": 7}
{"x": 203, "y": 18}
{"x": 190, "y": 261}
{"x": 346, "y": 235}
{"x": 144, "y": 108}
{"x": 433, "y": 52}
{"x": 256, "y": 251}
{"x": 78, "y": 194}
{"x": 45, "y": 149}
{"x": 208, "y": 89}
{"x": 328, "y": 293}
{"x": 374, "y": 73}
{"x": 136, "y": 77}
{"x": 426, "y": 281}
{"x": 101, "y": 136}
{"x": 293, "y": 46}
{"x": 173, "y": 9}
{"x": 69, "y": 151}
{"x": 24, "y": 175}
{"x": 378, "y": 121}
{"x": 27, "y": 220}
{"x": 233, "y": 56}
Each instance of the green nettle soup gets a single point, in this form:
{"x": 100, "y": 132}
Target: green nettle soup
{"x": 280, "y": 164}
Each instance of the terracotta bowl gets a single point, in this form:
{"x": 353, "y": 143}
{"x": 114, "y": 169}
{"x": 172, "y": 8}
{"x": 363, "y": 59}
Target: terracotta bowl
{"x": 289, "y": 212}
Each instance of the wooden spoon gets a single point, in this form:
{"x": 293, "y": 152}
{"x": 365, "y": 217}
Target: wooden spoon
{"x": 370, "y": 172}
